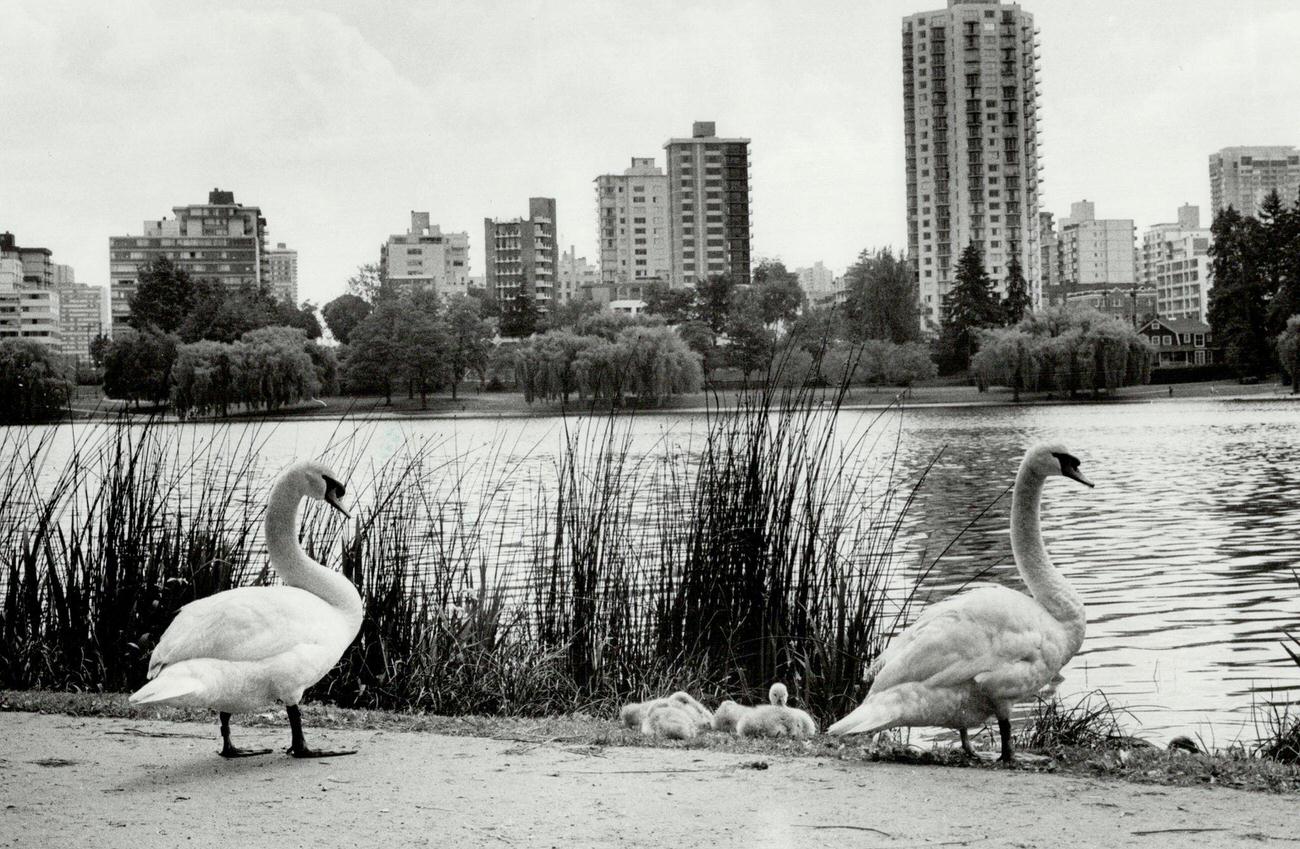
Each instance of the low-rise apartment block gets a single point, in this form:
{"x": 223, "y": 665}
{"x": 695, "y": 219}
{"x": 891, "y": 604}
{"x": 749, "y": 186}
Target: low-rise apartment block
{"x": 425, "y": 258}
{"x": 1175, "y": 261}
{"x": 219, "y": 240}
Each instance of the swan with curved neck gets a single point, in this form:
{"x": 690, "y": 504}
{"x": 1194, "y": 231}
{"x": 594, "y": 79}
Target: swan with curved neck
{"x": 977, "y": 654}
{"x": 242, "y": 649}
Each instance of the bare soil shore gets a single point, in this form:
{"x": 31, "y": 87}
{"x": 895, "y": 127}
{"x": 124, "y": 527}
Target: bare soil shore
{"x": 76, "y": 781}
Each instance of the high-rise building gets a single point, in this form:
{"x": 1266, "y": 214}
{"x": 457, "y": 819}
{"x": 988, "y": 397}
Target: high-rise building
{"x": 521, "y": 255}
{"x": 425, "y": 258}
{"x": 635, "y": 238}
{"x": 283, "y": 272}
{"x": 82, "y": 318}
{"x": 708, "y": 197}
{"x": 1175, "y": 261}
{"x": 1241, "y": 177}
{"x": 578, "y": 280}
{"x": 970, "y": 104}
{"x": 220, "y": 240}
{"x": 50, "y": 306}
{"x": 27, "y": 310}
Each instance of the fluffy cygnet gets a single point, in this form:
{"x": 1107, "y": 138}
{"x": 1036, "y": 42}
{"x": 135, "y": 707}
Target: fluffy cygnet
{"x": 775, "y": 719}
{"x": 678, "y": 717}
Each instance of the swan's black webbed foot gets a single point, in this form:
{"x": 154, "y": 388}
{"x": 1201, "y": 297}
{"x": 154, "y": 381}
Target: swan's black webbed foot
{"x": 298, "y": 745}
{"x": 228, "y": 750}
{"x": 304, "y": 752}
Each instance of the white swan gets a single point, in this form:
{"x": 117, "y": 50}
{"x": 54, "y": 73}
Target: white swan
{"x": 776, "y": 719}
{"x": 977, "y": 654}
{"x": 242, "y": 649}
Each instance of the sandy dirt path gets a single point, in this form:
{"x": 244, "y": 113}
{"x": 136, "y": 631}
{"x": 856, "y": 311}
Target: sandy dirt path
{"x": 78, "y": 782}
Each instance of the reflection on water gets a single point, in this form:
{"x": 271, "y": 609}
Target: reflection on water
{"x": 1183, "y": 553}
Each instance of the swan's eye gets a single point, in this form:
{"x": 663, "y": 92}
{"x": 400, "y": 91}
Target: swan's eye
{"x": 333, "y": 487}
{"x": 1067, "y": 461}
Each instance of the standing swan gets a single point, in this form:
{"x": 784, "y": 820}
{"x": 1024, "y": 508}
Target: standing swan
{"x": 977, "y": 654}
{"x": 242, "y": 649}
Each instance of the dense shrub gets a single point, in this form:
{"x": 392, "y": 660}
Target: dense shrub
{"x": 34, "y": 384}
{"x": 1066, "y": 350}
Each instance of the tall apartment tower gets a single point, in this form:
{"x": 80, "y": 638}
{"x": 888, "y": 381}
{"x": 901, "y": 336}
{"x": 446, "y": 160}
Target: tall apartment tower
{"x": 1175, "y": 261}
{"x": 1241, "y": 177}
{"x": 425, "y": 258}
{"x": 632, "y": 219}
{"x": 219, "y": 240}
{"x": 708, "y": 197}
{"x": 522, "y": 255}
{"x": 282, "y": 275}
{"x": 970, "y": 105}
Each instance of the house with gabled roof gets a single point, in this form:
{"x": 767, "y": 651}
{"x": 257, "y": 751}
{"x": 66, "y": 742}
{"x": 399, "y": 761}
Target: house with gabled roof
{"x": 1181, "y": 342}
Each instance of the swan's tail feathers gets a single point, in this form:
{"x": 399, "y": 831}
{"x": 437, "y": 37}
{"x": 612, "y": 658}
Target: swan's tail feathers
{"x": 166, "y": 688}
{"x": 869, "y": 716}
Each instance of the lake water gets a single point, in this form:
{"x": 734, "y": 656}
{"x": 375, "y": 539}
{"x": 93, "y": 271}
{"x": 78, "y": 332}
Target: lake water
{"x": 1184, "y": 552}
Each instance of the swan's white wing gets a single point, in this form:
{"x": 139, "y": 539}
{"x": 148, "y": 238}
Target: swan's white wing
{"x": 245, "y": 624}
{"x": 994, "y": 637}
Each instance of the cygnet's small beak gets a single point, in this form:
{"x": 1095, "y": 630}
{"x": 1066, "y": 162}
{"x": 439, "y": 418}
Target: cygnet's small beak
{"x": 1073, "y": 472}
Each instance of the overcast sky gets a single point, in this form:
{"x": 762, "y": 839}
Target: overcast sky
{"x": 338, "y": 118}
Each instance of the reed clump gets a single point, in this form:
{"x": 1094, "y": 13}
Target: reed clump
{"x": 756, "y": 552}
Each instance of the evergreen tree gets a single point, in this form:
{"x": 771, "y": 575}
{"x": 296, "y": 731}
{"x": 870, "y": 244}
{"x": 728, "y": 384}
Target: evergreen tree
{"x": 970, "y": 306}
{"x": 1279, "y": 258}
{"x": 1239, "y": 302}
{"x": 1017, "y": 302}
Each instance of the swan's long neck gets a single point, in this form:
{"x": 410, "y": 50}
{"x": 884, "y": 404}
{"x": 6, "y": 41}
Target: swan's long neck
{"x": 292, "y": 564}
{"x": 1047, "y": 585}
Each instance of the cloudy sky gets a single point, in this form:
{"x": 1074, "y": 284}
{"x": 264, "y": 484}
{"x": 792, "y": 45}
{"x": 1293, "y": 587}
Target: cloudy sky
{"x": 337, "y": 118}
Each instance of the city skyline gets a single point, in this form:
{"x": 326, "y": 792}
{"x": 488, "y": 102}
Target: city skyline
{"x": 121, "y": 122}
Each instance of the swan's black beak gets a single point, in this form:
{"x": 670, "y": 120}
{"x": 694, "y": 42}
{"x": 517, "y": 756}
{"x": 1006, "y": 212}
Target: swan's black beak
{"x": 1074, "y": 473}
{"x": 335, "y": 490}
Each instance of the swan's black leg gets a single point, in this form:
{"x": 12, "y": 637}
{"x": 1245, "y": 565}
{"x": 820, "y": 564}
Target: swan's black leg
{"x": 965, "y": 744}
{"x": 229, "y": 751}
{"x": 1004, "y": 728}
{"x": 298, "y": 746}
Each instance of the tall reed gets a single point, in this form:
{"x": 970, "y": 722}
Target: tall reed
{"x": 760, "y": 552}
